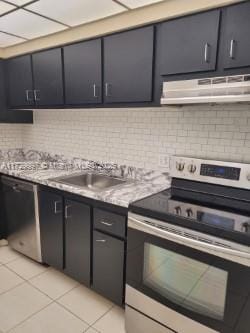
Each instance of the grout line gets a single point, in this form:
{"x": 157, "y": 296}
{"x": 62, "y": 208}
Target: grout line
{"x": 74, "y": 314}
{"x": 23, "y": 321}
{"x": 6, "y": 291}
{"x": 53, "y": 299}
{"x": 92, "y": 325}
{"x": 25, "y": 279}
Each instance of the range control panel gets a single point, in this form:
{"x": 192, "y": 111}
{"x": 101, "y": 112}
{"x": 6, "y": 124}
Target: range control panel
{"x": 219, "y": 171}
{"x": 215, "y": 218}
{"x": 208, "y": 171}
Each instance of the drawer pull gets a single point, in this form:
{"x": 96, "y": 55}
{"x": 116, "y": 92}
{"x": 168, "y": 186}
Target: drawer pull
{"x": 108, "y": 224}
{"x": 101, "y": 240}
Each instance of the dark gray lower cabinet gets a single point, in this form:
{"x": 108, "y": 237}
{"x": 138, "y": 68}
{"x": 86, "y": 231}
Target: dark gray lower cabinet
{"x": 77, "y": 241}
{"x": 66, "y": 239}
{"x": 108, "y": 266}
{"x": 51, "y": 225}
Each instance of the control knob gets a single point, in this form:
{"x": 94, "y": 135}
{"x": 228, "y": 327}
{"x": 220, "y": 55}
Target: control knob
{"x": 189, "y": 212}
{"x": 191, "y": 168}
{"x": 177, "y": 210}
{"x": 180, "y": 166}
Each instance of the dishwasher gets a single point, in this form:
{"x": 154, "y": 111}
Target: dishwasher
{"x": 21, "y": 214}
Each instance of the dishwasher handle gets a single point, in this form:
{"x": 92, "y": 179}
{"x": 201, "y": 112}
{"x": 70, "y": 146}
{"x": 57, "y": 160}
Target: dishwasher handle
{"x": 18, "y": 185}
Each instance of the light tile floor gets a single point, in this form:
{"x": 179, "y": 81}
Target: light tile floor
{"x": 39, "y": 299}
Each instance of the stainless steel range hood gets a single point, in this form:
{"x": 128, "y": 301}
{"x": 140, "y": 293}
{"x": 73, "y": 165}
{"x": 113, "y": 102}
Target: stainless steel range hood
{"x": 227, "y": 89}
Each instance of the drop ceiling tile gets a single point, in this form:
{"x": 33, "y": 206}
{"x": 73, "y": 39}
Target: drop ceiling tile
{"x": 76, "y": 12}
{"x": 5, "y": 7}
{"x": 138, "y": 3}
{"x": 28, "y": 25}
{"x": 19, "y": 2}
{"x": 8, "y": 40}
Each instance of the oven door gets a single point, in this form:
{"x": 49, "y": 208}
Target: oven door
{"x": 169, "y": 275}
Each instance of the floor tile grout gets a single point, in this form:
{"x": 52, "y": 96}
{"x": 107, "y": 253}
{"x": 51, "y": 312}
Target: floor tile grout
{"x": 65, "y": 308}
{"x": 25, "y": 279}
{"x": 51, "y": 300}
{"x": 92, "y": 325}
{"x": 29, "y": 317}
{"x": 6, "y": 291}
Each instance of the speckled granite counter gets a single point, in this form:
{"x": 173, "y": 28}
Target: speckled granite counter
{"x": 41, "y": 167}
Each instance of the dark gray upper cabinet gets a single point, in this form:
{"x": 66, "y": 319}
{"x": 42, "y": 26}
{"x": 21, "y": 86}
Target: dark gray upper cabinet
{"x": 19, "y": 80}
{"x": 77, "y": 241}
{"x": 128, "y": 66}
{"x": 236, "y": 39}
{"x": 189, "y": 44}
{"x": 48, "y": 77}
{"x": 83, "y": 72}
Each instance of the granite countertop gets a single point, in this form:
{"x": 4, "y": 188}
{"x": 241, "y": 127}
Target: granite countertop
{"x": 41, "y": 168}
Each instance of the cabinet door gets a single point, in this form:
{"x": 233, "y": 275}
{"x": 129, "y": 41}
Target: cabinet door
{"x": 128, "y": 66}
{"x": 237, "y": 27}
{"x": 108, "y": 266}
{"x": 189, "y": 44}
{"x": 48, "y": 81}
{"x": 77, "y": 241}
{"x": 51, "y": 225}
{"x": 20, "y": 85}
{"x": 83, "y": 72}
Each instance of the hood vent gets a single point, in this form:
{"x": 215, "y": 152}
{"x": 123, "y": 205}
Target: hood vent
{"x": 227, "y": 89}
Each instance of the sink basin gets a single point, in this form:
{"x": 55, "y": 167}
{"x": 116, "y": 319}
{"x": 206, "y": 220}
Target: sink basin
{"x": 92, "y": 181}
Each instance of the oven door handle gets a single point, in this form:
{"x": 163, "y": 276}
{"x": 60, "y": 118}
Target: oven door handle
{"x": 239, "y": 256}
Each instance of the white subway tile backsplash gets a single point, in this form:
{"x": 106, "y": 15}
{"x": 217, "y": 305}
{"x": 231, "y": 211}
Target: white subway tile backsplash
{"x": 10, "y": 136}
{"x": 140, "y": 136}
{"x": 137, "y": 136}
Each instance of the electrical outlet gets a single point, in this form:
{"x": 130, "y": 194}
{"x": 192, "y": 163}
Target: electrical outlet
{"x": 164, "y": 161}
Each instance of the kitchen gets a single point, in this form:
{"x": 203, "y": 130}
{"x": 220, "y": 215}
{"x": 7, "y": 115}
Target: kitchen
{"x": 124, "y": 166}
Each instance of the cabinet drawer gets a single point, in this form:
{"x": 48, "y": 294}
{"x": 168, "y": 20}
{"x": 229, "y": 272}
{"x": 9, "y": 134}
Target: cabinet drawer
{"x": 112, "y": 223}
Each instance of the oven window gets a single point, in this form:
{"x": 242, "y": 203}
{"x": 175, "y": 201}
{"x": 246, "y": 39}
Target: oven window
{"x": 187, "y": 282}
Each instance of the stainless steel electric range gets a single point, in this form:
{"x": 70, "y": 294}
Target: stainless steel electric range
{"x": 188, "y": 254}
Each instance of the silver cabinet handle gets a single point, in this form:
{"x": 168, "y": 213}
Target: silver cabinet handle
{"x": 106, "y": 223}
{"x": 36, "y": 95}
{"x": 95, "y": 90}
{"x": 101, "y": 240}
{"x": 55, "y": 207}
{"x": 206, "y": 53}
{"x": 107, "y": 89}
{"x": 67, "y": 216}
{"x": 27, "y": 92}
{"x": 232, "y": 48}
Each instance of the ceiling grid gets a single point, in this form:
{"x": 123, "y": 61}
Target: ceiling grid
{"x": 23, "y": 20}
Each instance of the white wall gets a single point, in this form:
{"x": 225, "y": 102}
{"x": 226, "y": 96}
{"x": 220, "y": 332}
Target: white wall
{"x": 139, "y": 137}
{"x": 10, "y": 136}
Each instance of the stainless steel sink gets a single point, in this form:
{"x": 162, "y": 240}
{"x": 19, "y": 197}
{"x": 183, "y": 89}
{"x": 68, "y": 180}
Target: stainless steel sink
{"x": 92, "y": 181}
